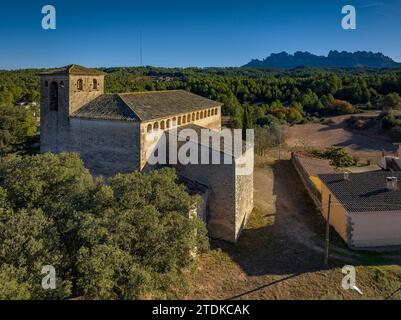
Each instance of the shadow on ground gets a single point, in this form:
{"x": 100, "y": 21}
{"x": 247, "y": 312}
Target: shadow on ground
{"x": 288, "y": 238}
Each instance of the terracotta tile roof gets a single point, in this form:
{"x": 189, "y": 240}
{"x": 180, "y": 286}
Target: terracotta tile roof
{"x": 365, "y": 192}
{"x": 159, "y": 104}
{"x": 144, "y": 106}
{"x": 73, "y": 69}
{"x": 106, "y": 107}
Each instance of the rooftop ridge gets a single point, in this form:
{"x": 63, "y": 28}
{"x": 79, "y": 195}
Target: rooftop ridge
{"x": 154, "y": 91}
{"x": 75, "y": 69}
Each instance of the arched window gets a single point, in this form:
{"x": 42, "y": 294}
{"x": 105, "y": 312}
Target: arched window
{"x": 156, "y": 126}
{"x": 216, "y": 111}
{"x": 184, "y": 119}
{"x": 80, "y": 85}
{"x": 193, "y": 116}
{"x": 162, "y": 125}
{"x": 95, "y": 84}
{"x": 179, "y": 121}
{"x": 168, "y": 123}
{"x": 208, "y": 113}
{"x": 174, "y": 121}
{"x": 53, "y": 96}
{"x": 149, "y": 128}
{"x": 201, "y": 114}
{"x": 197, "y": 115}
{"x": 189, "y": 118}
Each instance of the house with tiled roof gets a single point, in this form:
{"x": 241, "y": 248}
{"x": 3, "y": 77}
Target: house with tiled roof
{"x": 111, "y": 133}
{"x": 365, "y": 208}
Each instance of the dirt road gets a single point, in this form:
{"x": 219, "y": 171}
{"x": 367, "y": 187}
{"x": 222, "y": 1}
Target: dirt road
{"x": 280, "y": 253}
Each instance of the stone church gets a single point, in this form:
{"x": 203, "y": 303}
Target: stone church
{"x": 108, "y": 131}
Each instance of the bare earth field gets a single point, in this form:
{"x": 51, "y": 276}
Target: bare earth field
{"x": 337, "y": 134}
{"x": 280, "y": 253}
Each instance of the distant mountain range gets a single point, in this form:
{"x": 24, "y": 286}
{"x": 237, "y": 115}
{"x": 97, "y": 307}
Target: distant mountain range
{"x": 335, "y": 59}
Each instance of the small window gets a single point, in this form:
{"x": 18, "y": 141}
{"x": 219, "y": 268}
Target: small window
{"x": 156, "y": 126}
{"x": 208, "y": 113}
{"x": 80, "y": 85}
{"x": 95, "y": 85}
{"x": 201, "y": 114}
{"x": 197, "y": 116}
{"x": 149, "y": 128}
{"x": 179, "y": 121}
{"x": 189, "y": 118}
{"x": 162, "y": 125}
{"x": 184, "y": 118}
{"x": 216, "y": 111}
{"x": 193, "y": 116}
{"x": 168, "y": 123}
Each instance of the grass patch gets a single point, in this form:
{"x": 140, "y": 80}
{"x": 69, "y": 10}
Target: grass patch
{"x": 257, "y": 219}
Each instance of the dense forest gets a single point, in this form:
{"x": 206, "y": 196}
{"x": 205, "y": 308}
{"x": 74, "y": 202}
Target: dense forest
{"x": 130, "y": 238}
{"x": 265, "y": 97}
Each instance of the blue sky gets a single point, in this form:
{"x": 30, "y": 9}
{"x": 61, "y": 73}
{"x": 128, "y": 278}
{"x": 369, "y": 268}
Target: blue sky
{"x": 189, "y": 33}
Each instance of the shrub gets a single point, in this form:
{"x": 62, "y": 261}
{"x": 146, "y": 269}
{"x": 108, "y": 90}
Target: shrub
{"x": 338, "y": 156}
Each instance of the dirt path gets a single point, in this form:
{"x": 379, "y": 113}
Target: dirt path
{"x": 280, "y": 253}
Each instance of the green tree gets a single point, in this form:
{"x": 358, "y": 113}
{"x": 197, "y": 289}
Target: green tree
{"x": 16, "y": 125}
{"x": 389, "y": 102}
{"x": 246, "y": 122}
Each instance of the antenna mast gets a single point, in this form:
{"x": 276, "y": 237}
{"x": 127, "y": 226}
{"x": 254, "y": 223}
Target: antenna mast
{"x": 140, "y": 47}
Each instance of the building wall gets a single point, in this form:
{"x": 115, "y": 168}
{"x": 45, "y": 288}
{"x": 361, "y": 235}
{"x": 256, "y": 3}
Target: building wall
{"x": 79, "y": 98}
{"x": 317, "y": 182}
{"x": 243, "y": 195}
{"x": 375, "y": 229}
{"x": 338, "y": 215}
{"x": 52, "y": 122}
{"x": 54, "y": 125}
{"x": 106, "y": 147}
{"x": 220, "y": 179}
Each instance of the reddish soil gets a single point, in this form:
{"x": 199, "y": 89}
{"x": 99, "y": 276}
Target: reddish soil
{"x": 361, "y": 142}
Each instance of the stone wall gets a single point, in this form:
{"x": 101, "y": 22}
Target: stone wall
{"x": 79, "y": 98}
{"x": 54, "y": 125}
{"x": 51, "y": 121}
{"x": 106, "y": 147}
{"x": 221, "y": 182}
{"x": 243, "y": 194}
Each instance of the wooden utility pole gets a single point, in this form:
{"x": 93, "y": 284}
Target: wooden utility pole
{"x": 326, "y": 253}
